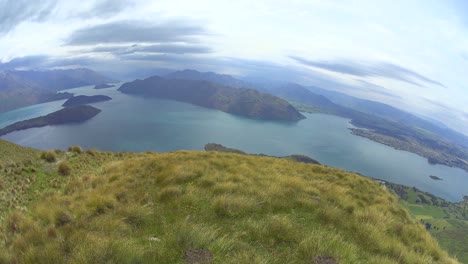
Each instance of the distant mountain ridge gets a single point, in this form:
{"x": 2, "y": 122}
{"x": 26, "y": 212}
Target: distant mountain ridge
{"x": 383, "y": 123}
{"x": 331, "y": 102}
{"x": 222, "y": 79}
{"x": 240, "y": 101}
{"x": 391, "y": 113}
{"x": 23, "y": 88}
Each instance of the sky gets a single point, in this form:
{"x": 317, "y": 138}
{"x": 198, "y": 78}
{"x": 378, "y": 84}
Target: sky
{"x": 410, "y": 54}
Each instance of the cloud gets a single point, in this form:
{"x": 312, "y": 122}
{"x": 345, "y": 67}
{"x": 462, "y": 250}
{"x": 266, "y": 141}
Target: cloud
{"x": 41, "y": 62}
{"x": 13, "y": 13}
{"x": 107, "y": 7}
{"x": 378, "y": 89}
{"x": 171, "y": 48}
{"x": 156, "y": 57}
{"x": 379, "y": 69}
{"x": 437, "y": 104}
{"x": 24, "y": 62}
{"x": 137, "y": 31}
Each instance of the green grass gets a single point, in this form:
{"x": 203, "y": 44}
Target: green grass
{"x": 448, "y": 221}
{"x": 427, "y": 211}
{"x": 152, "y": 208}
{"x": 11, "y": 154}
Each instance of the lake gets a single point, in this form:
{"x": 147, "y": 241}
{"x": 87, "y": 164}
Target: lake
{"x": 132, "y": 123}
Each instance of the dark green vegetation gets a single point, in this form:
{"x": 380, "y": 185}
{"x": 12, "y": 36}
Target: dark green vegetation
{"x": 221, "y": 148}
{"x": 84, "y": 99}
{"x": 188, "y": 206}
{"x": 104, "y": 86}
{"x": 67, "y": 115}
{"x": 446, "y": 221}
{"x": 23, "y": 88}
{"x": 239, "y": 101}
{"x": 383, "y": 123}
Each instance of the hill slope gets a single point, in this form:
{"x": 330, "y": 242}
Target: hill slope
{"x": 245, "y": 102}
{"x": 189, "y": 207}
{"x": 11, "y": 153}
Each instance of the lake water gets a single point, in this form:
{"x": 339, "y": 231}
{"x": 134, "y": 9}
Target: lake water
{"x": 131, "y": 123}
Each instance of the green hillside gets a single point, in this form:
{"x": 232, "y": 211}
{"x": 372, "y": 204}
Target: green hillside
{"x": 201, "y": 207}
{"x": 11, "y": 153}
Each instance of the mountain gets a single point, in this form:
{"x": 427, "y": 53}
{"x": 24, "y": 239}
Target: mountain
{"x": 23, "y": 88}
{"x": 382, "y": 123}
{"x": 391, "y": 113}
{"x": 75, "y": 114}
{"x": 200, "y": 207}
{"x": 332, "y": 102}
{"x": 290, "y": 91}
{"x": 84, "y": 99}
{"x": 239, "y": 101}
{"x": 222, "y": 79}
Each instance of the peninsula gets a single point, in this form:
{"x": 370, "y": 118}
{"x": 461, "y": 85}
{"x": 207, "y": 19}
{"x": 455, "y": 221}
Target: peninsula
{"x": 75, "y": 114}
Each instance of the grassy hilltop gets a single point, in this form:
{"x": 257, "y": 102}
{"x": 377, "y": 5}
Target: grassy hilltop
{"x": 199, "y": 207}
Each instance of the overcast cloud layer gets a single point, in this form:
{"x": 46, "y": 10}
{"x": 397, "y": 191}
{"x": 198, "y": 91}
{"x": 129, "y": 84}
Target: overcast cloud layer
{"x": 410, "y": 54}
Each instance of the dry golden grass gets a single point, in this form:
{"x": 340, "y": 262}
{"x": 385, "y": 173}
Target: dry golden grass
{"x": 243, "y": 209}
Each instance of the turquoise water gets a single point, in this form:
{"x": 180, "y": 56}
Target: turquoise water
{"x": 130, "y": 123}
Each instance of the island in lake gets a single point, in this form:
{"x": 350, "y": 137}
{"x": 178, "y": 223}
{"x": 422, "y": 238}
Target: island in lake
{"x": 75, "y": 114}
{"x": 104, "y": 86}
{"x": 435, "y": 178}
{"x": 84, "y": 99}
{"x": 239, "y": 101}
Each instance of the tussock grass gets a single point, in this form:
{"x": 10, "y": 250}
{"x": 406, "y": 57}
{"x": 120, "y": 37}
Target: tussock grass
{"x": 49, "y": 156}
{"x": 151, "y": 208}
{"x": 64, "y": 168}
{"x": 75, "y": 149}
